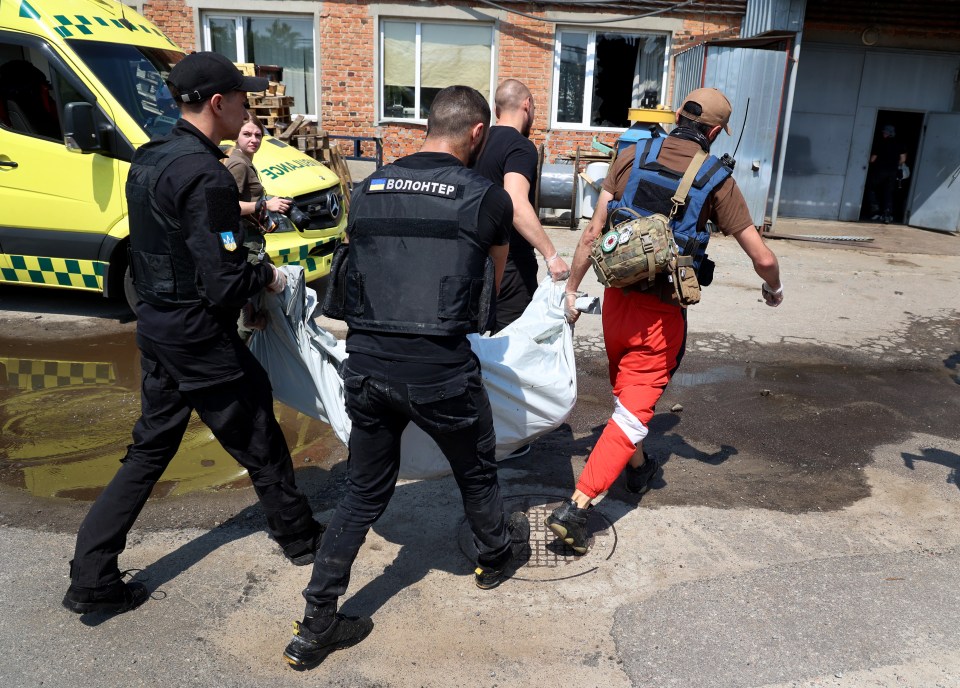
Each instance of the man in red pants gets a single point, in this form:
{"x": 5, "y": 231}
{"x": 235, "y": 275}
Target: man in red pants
{"x": 644, "y": 327}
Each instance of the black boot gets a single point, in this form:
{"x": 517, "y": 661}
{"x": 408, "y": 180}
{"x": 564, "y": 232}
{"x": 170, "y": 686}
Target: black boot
{"x": 308, "y": 648}
{"x": 305, "y": 555}
{"x": 487, "y": 577}
{"x": 569, "y": 523}
{"x": 114, "y": 599}
{"x": 638, "y": 479}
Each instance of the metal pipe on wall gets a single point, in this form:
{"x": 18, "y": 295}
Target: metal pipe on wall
{"x": 795, "y": 67}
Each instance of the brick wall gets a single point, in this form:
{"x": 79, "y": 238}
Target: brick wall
{"x": 346, "y": 60}
{"x": 175, "y": 19}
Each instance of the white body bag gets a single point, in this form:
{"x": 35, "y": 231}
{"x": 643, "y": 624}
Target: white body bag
{"x": 528, "y": 370}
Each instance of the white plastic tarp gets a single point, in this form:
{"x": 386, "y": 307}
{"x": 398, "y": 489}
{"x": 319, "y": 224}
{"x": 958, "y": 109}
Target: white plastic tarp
{"x": 528, "y": 370}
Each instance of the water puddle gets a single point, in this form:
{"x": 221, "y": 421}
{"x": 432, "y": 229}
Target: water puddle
{"x": 710, "y": 376}
{"x": 67, "y": 410}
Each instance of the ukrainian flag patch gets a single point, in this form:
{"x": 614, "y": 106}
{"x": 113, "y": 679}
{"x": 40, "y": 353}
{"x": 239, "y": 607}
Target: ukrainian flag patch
{"x": 229, "y": 241}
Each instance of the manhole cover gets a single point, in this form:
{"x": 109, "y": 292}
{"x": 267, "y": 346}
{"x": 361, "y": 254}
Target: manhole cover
{"x": 551, "y": 559}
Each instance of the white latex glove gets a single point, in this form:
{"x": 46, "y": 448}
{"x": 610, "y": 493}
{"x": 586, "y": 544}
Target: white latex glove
{"x": 772, "y": 297}
{"x": 570, "y": 311}
{"x": 279, "y": 281}
{"x": 557, "y": 268}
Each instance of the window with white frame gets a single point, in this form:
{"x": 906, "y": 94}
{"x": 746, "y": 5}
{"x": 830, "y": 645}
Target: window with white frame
{"x": 418, "y": 59}
{"x": 600, "y": 75}
{"x": 284, "y": 41}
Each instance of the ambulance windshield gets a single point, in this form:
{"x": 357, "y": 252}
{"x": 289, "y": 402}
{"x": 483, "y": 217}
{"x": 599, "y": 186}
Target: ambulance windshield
{"x": 135, "y": 76}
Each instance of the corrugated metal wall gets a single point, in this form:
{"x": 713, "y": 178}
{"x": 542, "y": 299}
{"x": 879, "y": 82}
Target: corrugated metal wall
{"x": 834, "y": 120}
{"x": 745, "y": 75}
{"x": 688, "y": 73}
{"x": 772, "y": 15}
{"x": 753, "y": 80}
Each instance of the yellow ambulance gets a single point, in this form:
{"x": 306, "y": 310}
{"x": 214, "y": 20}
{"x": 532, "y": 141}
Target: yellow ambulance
{"x": 81, "y": 86}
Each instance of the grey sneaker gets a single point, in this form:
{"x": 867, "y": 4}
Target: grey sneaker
{"x": 569, "y": 523}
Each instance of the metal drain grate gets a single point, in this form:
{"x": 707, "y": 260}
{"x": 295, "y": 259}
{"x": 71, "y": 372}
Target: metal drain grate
{"x": 546, "y": 550}
{"x": 550, "y": 558}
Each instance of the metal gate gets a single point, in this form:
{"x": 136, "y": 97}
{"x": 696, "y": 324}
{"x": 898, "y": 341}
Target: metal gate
{"x": 935, "y": 201}
{"x": 751, "y": 73}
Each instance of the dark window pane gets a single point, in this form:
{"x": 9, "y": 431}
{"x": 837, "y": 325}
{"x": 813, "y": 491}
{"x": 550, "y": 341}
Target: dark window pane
{"x": 135, "y": 76}
{"x": 399, "y": 69}
{"x": 223, "y": 37}
{"x": 288, "y": 43}
{"x": 572, "y": 77}
{"x": 626, "y": 66}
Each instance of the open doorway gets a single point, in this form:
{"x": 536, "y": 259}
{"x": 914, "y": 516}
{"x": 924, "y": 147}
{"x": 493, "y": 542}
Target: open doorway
{"x": 883, "y": 185}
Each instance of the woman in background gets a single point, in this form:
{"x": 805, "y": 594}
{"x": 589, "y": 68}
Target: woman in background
{"x": 253, "y": 201}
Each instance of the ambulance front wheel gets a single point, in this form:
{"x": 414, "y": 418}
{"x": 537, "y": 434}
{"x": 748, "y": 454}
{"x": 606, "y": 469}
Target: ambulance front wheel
{"x": 129, "y": 291}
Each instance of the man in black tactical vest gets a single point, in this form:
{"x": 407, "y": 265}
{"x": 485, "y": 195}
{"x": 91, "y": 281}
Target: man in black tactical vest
{"x": 423, "y": 233}
{"x": 192, "y": 277}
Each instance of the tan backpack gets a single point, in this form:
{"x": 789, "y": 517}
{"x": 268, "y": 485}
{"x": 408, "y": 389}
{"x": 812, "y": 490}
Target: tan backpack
{"x": 639, "y": 248}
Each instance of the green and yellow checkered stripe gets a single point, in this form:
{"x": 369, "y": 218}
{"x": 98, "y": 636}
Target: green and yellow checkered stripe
{"x": 55, "y": 272}
{"x": 300, "y": 256}
{"x": 29, "y": 374}
{"x": 80, "y": 24}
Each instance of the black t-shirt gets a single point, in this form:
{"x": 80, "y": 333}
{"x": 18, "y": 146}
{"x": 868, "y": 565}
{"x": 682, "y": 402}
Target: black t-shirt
{"x": 496, "y": 217}
{"x": 200, "y": 192}
{"x": 888, "y": 152}
{"x": 507, "y": 150}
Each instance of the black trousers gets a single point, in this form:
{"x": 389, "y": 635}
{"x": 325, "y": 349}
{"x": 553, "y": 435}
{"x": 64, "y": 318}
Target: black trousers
{"x": 237, "y": 405}
{"x": 516, "y": 289}
{"x": 449, "y": 405}
{"x": 881, "y": 191}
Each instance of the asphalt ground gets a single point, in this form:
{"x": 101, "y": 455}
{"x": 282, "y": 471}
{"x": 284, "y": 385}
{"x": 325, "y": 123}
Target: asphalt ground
{"x": 803, "y": 532}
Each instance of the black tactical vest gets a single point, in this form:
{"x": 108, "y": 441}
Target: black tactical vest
{"x": 164, "y": 273}
{"x": 416, "y": 264}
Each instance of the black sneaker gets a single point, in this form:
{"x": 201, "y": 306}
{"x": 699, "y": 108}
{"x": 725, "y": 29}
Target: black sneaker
{"x": 569, "y": 523}
{"x": 305, "y": 557}
{"x": 487, "y": 577}
{"x": 115, "y": 599}
{"x": 638, "y": 479}
{"x": 307, "y": 649}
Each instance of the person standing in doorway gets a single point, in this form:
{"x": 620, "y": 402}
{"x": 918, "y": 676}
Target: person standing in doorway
{"x": 427, "y": 242}
{"x": 887, "y": 156}
{"x": 509, "y": 159}
{"x": 192, "y": 277}
{"x": 645, "y": 326}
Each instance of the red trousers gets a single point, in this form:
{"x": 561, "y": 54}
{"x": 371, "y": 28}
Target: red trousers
{"x": 643, "y": 337}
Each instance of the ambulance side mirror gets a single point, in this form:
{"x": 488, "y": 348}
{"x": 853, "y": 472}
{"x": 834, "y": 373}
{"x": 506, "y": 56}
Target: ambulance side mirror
{"x": 80, "y": 133}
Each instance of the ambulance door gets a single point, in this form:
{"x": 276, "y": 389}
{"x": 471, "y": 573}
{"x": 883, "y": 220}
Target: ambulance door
{"x": 57, "y": 204}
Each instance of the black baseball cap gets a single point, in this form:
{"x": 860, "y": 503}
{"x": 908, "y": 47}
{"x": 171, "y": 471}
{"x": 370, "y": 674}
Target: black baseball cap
{"x": 200, "y": 75}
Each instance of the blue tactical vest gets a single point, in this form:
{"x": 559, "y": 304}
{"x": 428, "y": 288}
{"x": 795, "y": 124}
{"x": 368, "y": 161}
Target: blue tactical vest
{"x": 651, "y": 186}
{"x": 416, "y": 263}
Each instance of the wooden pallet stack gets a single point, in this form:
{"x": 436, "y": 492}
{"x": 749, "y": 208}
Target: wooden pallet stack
{"x": 307, "y": 138}
{"x": 271, "y": 107}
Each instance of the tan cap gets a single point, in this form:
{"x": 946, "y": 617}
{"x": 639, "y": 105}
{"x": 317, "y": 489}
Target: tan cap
{"x": 716, "y": 107}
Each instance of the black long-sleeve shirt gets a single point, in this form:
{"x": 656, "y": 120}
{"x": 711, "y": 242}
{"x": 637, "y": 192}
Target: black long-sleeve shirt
{"x": 200, "y": 192}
